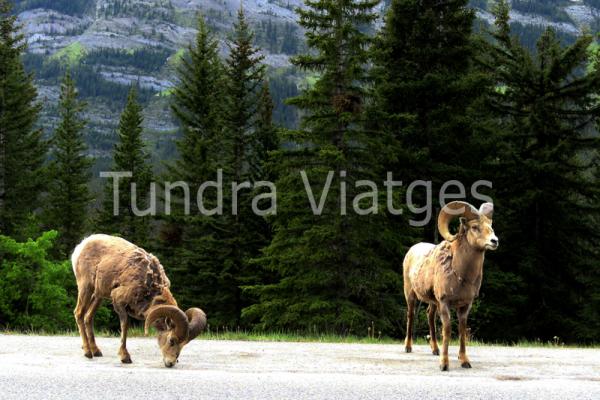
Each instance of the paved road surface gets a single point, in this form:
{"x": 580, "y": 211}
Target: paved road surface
{"x": 34, "y": 367}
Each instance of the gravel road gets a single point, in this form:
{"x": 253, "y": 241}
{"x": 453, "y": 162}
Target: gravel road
{"x": 37, "y": 367}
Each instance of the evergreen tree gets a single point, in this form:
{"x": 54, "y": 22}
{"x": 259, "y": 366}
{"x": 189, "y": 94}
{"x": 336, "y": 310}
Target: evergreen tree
{"x": 425, "y": 85}
{"x": 266, "y": 131}
{"x": 197, "y": 106}
{"x": 68, "y": 194}
{"x": 236, "y": 235}
{"x": 129, "y": 155}
{"x": 218, "y": 107}
{"x": 546, "y": 180}
{"x": 337, "y": 271}
{"x": 22, "y": 149}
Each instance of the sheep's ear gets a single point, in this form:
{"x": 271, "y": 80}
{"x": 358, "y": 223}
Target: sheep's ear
{"x": 463, "y": 221}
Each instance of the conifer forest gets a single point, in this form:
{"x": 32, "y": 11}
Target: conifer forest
{"x": 285, "y": 201}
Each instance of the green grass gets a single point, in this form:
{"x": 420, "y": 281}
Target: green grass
{"x": 70, "y": 55}
{"x": 242, "y": 335}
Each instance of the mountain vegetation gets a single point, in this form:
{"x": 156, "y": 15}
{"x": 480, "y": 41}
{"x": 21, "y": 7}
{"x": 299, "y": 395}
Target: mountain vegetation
{"x": 425, "y": 95}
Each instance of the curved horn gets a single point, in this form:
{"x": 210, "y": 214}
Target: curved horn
{"x": 197, "y": 322}
{"x": 487, "y": 209}
{"x": 174, "y": 314}
{"x": 453, "y": 210}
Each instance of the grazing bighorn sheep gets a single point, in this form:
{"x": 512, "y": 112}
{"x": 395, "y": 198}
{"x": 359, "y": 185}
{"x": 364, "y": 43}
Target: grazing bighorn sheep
{"x": 108, "y": 267}
{"x": 449, "y": 275}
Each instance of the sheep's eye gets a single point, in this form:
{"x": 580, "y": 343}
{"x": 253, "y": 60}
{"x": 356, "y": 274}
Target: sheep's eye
{"x": 475, "y": 228}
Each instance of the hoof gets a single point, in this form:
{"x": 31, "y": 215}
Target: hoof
{"x": 444, "y": 367}
{"x": 126, "y": 359}
{"x": 408, "y": 349}
{"x": 436, "y": 352}
{"x": 466, "y": 364}
{"x": 98, "y": 353}
{"x": 88, "y": 354}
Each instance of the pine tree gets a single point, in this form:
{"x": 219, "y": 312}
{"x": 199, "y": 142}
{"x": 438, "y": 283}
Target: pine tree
{"x": 248, "y": 135}
{"x": 129, "y": 155}
{"x": 68, "y": 194}
{"x": 197, "y": 106}
{"x": 546, "y": 171}
{"x": 218, "y": 107}
{"x": 266, "y": 131}
{"x": 335, "y": 272}
{"x": 22, "y": 150}
{"x": 425, "y": 85}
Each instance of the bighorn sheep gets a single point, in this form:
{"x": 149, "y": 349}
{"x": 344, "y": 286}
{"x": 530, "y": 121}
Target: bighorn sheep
{"x": 108, "y": 267}
{"x": 449, "y": 275}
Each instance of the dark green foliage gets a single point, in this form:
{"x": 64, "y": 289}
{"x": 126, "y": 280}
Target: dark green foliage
{"x": 248, "y": 135}
{"x": 197, "y": 108}
{"x": 282, "y": 85}
{"x": 517, "y": 106}
{"x": 158, "y": 10}
{"x": 278, "y": 38}
{"x": 129, "y": 155}
{"x": 226, "y": 126}
{"x": 22, "y": 150}
{"x": 68, "y": 193}
{"x": 244, "y": 80}
{"x": 89, "y": 81}
{"x": 425, "y": 86}
{"x": 335, "y": 272}
{"x": 70, "y": 7}
{"x": 266, "y": 132}
{"x": 528, "y": 35}
{"x": 197, "y": 105}
{"x": 548, "y": 8}
{"x": 146, "y": 60}
{"x": 545, "y": 174}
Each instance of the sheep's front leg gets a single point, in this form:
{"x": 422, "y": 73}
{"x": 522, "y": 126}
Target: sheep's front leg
{"x": 124, "y": 319}
{"x": 444, "y": 311}
{"x": 463, "y": 313}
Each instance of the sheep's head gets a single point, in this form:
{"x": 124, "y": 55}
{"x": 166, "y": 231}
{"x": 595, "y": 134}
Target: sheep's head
{"x": 175, "y": 329}
{"x": 475, "y": 225}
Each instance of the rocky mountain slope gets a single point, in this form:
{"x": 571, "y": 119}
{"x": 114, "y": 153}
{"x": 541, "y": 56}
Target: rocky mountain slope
{"x": 111, "y": 44}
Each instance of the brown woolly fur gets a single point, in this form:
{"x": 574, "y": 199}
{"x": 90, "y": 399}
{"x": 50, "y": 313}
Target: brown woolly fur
{"x": 108, "y": 267}
{"x": 449, "y": 275}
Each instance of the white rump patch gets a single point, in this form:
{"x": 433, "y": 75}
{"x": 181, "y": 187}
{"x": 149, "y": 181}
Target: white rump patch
{"x": 79, "y": 248}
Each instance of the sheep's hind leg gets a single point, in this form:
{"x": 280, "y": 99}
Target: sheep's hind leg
{"x": 124, "y": 319}
{"x": 463, "y": 313}
{"x": 83, "y": 299}
{"x": 431, "y": 310}
{"x": 410, "y": 314}
{"x": 89, "y": 325}
{"x": 446, "y": 332}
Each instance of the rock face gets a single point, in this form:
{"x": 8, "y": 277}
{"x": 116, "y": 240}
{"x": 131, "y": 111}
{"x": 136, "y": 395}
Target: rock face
{"x": 145, "y": 39}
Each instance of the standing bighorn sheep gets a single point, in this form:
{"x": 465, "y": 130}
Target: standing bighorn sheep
{"x": 108, "y": 267}
{"x": 449, "y": 275}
